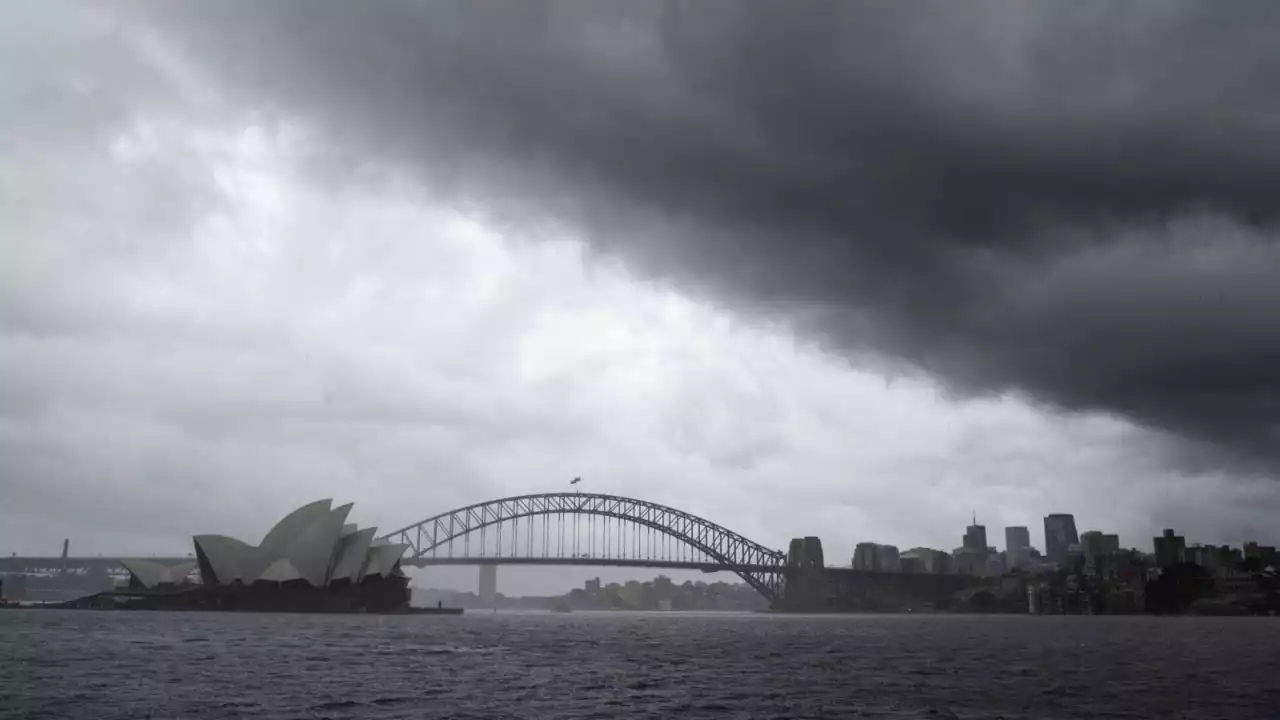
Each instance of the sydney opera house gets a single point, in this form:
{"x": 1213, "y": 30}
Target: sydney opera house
{"x": 311, "y": 561}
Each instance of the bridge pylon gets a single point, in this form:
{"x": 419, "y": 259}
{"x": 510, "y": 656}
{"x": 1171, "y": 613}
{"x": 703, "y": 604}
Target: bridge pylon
{"x": 488, "y": 586}
{"x": 805, "y": 585}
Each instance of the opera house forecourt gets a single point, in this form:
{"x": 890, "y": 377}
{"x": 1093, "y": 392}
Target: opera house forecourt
{"x": 311, "y": 561}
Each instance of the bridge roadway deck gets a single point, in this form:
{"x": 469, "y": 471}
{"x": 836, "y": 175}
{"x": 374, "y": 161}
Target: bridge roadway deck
{"x": 54, "y": 565}
{"x": 32, "y": 565}
{"x": 429, "y": 561}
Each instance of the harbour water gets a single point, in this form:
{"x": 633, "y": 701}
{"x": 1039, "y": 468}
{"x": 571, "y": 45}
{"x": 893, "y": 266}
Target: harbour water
{"x": 72, "y": 665}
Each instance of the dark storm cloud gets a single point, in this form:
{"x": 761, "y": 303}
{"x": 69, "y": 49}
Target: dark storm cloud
{"x": 1071, "y": 201}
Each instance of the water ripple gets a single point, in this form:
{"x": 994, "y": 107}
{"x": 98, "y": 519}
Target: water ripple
{"x": 74, "y": 665}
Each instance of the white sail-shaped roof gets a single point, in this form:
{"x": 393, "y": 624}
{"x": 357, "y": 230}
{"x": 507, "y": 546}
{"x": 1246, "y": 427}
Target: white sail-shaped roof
{"x": 382, "y": 559}
{"x": 229, "y": 558}
{"x": 280, "y": 571}
{"x": 151, "y": 573}
{"x": 311, "y": 550}
{"x": 353, "y": 548}
{"x": 314, "y": 543}
{"x": 277, "y": 540}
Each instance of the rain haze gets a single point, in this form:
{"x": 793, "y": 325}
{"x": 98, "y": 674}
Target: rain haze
{"x": 857, "y": 272}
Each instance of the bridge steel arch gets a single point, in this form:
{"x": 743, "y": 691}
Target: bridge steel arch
{"x": 751, "y": 561}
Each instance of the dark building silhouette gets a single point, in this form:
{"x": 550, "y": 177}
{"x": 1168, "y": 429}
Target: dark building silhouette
{"x": 1265, "y": 554}
{"x": 975, "y": 536}
{"x": 1170, "y": 549}
{"x": 1091, "y": 544}
{"x": 877, "y": 557}
{"x": 1059, "y": 535}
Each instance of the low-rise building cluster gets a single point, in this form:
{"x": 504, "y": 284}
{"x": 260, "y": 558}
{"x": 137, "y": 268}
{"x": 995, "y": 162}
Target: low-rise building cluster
{"x": 1089, "y": 571}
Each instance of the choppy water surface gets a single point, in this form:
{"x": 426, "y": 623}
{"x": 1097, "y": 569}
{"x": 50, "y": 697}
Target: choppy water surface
{"x": 170, "y": 665}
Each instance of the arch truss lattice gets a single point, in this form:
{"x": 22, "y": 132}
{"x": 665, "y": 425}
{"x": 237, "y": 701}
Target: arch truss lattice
{"x": 590, "y": 528}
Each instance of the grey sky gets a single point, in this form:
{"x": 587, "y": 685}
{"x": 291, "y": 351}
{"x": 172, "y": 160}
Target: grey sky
{"x": 855, "y": 276}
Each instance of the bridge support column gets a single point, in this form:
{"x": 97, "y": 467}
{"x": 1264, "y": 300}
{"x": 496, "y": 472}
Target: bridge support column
{"x": 488, "y": 590}
{"x": 805, "y": 589}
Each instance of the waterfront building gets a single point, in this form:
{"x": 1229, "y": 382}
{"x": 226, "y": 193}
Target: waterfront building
{"x": 311, "y": 559}
{"x": 876, "y": 557}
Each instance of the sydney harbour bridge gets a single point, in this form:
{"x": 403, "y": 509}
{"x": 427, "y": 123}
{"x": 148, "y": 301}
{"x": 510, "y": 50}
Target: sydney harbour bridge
{"x": 577, "y": 528}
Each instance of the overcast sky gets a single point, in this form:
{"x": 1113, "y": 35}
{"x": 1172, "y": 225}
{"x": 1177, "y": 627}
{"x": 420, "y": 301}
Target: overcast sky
{"x": 858, "y": 272}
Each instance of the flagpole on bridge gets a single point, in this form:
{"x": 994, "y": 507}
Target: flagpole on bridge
{"x": 575, "y": 481}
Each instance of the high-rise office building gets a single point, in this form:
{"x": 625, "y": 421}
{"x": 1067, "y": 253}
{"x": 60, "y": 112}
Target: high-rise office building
{"x": 1059, "y": 535}
{"x": 1100, "y": 551}
{"x": 975, "y": 536}
{"x": 1092, "y": 545}
{"x": 1170, "y": 549}
{"x": 1017, "y": 546}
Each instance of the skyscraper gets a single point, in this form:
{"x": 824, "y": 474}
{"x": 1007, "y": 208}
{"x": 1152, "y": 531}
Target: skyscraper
{"x": 1170, "y": 549}
{"x": 1092, "y": 543}
{"x": 1059, "y": 534}
{"x": 975, "y": 536}
{"x": 1017, "y": 545}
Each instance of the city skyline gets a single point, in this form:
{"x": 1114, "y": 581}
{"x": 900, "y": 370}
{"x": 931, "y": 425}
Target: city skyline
{"x": 974, "y": 521}
{"x": 1096, "y": 549}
